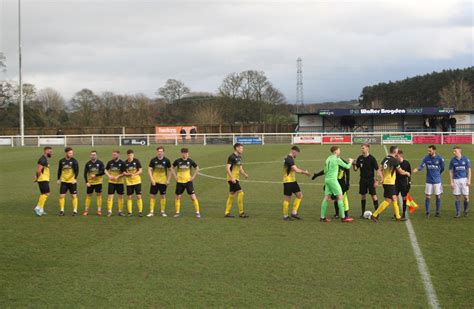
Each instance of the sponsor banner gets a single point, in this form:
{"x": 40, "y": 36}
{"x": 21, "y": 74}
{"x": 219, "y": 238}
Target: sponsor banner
{"x": 48, "y": 141}
{"x": 134, "y": 141}
{"x": 337, "y": 139}
{"x": 249, "y": 140}
{"x": 366, "y": 139}
{"x": 219, "y": 140}
{"x": 387, "y": 111}
{"x": 5, "y": 141}
{"x": 427, "y": 139}
{"x": 396, "y": 139}
{"x": 173, "y": 131}
{"x": 307, "y": 139}
{"x": 457, "y": 139}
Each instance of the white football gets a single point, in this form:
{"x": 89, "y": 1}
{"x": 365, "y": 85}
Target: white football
{"x": 367, "y": 214}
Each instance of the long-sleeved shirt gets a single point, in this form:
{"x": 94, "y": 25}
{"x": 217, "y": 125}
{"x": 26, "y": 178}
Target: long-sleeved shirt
{"x": 68, "y": 170}
{"x": 434, "y": 168}
{"x": 331, "y": 168}
{"x": 96, "y": 168}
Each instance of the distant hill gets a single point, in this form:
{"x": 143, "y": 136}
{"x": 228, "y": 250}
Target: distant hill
{"x": 314, "y": 107}
{"x": 449, "y": 88}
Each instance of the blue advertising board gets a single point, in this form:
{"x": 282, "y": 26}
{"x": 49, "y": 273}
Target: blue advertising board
{"x": 249, "y": 140}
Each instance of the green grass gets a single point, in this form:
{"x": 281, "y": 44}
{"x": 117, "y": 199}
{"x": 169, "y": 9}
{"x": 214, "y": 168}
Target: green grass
{"x": 260, "y": 262}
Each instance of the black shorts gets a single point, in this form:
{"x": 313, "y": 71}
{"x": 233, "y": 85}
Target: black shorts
{"x": 137, "y": 189}
{"x": 44, "y": 187}
{"x": 115, "y": 187}
{"x": 158, "y": 187}
{"x": 389, "y": 191}
{"x": 366, "y": 186}
{"x": 290, "y": 187}
{"x": 94, "y": 188}
{"x": 401, "y": 189}
{"x": 66, "y": 186}
{"x": 188, "y": 186}
{"x": 234, "y": 187}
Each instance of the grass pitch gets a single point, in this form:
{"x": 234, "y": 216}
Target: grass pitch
{"x": 261, "y": 261}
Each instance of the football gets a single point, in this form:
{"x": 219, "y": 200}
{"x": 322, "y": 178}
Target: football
{"x": 367, "y": 214}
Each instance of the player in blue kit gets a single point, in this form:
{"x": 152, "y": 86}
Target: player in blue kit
{"x": 460, "y": 176}
{"x": 434, "y": 168}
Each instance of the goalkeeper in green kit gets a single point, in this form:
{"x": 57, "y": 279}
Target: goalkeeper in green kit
{"x": 332, "y": 186}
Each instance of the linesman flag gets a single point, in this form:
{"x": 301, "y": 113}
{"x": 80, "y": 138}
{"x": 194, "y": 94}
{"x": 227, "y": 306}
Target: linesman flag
{"x": 412, "y": 206}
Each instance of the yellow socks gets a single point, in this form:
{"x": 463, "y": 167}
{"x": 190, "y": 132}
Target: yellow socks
{"x": 381, "y": 208}
{"x": 228, "y": 204}
{"x": 120, "y": 203}
{"x": 88, "y": 203}
{"x": 196, "y": 205}
{"x": 177, "y": 205}
{"x": 163, "y": 204}
{"x": 99, "y": 202}
{"x": 41, "y": 200}
{"x": 129, "y": 206}
{"x": 110, "y": 202}
{"x": 152, "y": 204}
{"x": 396, "y": 209}
{"x": 74, "y": 203}
{"x": 61, "y": 203}
{"x": 240, "y": 202}
{"x": 285, "y": 208}
{"x": 296, "y": 205}
{"x": 140, "y": 205}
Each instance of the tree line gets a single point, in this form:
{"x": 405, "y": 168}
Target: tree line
{"x": 449, "y": 88}
{"x": 246, "y": 97}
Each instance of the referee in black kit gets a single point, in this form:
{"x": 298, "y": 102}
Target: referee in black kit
{"x": 368, "y": 166}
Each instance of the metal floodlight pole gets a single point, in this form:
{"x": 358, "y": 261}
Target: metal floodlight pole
{"x": 22, "y": 118}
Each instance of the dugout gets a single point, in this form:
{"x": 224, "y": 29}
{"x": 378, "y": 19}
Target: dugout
{"x": 422, "y": 119}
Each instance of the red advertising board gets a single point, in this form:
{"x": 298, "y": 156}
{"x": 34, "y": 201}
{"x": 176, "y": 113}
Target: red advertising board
{"x": 170, "y": 132}
{"x": 337, "y": 139}
{"x": 457, "y": 139}
{"x": 427, "y": 139}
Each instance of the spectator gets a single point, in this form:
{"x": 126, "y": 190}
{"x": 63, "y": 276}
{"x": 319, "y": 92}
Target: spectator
{"x": 59, "y": 132}
{"x": 193, "y": 133}
{"x": 452, "y": 122}
{"x": 183, "y": 135}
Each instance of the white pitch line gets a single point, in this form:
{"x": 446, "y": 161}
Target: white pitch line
{"x": 420, "y": 261}
{"x": 269, "y": 181}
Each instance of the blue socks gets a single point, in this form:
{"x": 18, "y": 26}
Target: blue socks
{"x": 427, "y": 205}
{"x": 438, "y": 204}
{"x": 457, "y": 204}
{"x": 466, "y": 206}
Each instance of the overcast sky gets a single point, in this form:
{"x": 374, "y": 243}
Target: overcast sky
{"x": 135, "y": 46}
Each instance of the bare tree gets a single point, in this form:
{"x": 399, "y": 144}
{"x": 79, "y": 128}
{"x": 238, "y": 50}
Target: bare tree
{"x": 85, "y": 106}
{"x": 50, "y": 107}
{"x": 208, "y": 113}
{"x": 457, "y": 94}
{"x": 273, "y": 95}
{"x": 231, "y": 85}
{"x": 250, "y": 85}
{"x": 173, "y": 90}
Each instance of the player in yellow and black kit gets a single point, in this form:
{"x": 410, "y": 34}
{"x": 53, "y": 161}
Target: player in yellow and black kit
{"x": 290, "y": 186}
{"x": 133, "y": 182}
{"x": 184, "y": 180}
{"x": 389, "y": 167}
{"x": 114, "y": 170}
{"x": 68, "y": 170}
{"x": 42, "y": 178}
{"x": 93, "y": 172}
{"x": 234, "y": 168}
{"x": 159, "y": 171}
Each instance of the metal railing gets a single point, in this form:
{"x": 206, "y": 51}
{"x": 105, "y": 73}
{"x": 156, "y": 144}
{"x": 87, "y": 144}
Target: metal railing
{"x": 244, "y": 138}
